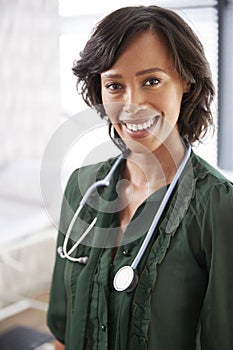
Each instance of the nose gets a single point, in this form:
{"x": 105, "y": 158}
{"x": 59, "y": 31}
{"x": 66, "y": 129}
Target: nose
{"x": 134, "y": 102}
{"x": 133, "y": 108}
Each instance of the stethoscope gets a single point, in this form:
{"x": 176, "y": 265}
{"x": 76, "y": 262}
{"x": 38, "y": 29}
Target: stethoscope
{"x": 126, "y": 277}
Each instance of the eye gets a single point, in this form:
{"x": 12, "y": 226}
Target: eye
{"x": 152, "y": 82}
{"x": 113, "y": 86}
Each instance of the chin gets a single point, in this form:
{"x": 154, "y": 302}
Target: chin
{"x": 143, "y": 147}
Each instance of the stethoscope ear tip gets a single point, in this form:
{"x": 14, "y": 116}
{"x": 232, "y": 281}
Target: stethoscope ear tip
{"x": 125, "y": 279}
{"x": 60, "y": 252}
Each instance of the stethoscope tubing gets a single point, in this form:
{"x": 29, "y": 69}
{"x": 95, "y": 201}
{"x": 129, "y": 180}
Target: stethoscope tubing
{"x": 62, "y": 251}
{"x": 126, "y": 277}
{"x": 104, "y": 182}
{"x": 160, "y": 211}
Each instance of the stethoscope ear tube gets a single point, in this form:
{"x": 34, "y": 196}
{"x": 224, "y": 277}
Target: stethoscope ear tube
{"x": 62, "y": 251}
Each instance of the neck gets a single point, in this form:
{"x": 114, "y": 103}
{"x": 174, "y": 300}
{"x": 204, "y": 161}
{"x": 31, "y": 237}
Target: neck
{"x": 154, "y": 169}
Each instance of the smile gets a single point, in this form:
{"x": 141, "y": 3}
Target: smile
{"x": 141, "y": 126}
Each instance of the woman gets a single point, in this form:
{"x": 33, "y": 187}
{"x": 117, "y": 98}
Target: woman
{"x": 145, "y": 70}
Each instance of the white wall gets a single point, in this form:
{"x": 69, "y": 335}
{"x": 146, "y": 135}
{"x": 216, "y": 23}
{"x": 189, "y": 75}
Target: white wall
{"x": 29, "y": 76}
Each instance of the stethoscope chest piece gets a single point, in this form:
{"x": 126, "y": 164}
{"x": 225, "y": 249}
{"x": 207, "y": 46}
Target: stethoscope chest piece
{"x": 125, "y": 279}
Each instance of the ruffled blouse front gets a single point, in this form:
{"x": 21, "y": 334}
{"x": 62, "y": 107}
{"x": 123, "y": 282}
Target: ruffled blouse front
{"x": 184, "y": 296}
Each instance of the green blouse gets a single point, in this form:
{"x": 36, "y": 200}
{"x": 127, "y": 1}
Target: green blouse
{"x": 184, "y": 296}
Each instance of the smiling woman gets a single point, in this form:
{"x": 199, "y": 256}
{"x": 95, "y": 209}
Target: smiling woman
{"x": 163, "y": 216}
{"x": 148, "y": 92}
{"x": 186, "y": 53}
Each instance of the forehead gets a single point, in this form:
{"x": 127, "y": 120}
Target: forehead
{"x": 146, "y": 49}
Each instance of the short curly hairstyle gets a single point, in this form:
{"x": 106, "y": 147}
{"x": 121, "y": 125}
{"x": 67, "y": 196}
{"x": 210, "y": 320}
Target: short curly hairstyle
{"x": 111, "y": 36}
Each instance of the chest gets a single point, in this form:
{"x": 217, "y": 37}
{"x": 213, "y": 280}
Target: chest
{"x": 130, "y": 199}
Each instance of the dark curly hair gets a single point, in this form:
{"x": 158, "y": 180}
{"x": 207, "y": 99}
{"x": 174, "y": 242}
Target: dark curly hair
{"x": 108, "y": 41}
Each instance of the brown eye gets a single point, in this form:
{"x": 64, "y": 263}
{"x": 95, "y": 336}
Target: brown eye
{"x": 114, "y": 86}
{"x": 151, "y": 82}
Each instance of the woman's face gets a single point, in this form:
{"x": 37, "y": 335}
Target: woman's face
{"x": 142, "y": 93}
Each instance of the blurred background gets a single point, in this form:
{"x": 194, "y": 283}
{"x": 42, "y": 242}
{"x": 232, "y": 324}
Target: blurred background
{"x": 39, "y": 40}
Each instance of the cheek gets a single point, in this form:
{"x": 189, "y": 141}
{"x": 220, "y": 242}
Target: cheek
{"x": 170, "y": 102}
{"x": 113, "y": 110}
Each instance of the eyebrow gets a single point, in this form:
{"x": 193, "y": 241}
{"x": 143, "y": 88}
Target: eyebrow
{"x": 141, "y": 72}
{"x": 150, "y": 70}
{"x": 112, "y": 75}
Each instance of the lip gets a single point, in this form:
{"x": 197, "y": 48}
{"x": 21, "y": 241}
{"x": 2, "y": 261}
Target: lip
{"x": 139, "y": 128}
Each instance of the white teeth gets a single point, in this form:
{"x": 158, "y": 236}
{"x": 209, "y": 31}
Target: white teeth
{"x": 140, "y": 127}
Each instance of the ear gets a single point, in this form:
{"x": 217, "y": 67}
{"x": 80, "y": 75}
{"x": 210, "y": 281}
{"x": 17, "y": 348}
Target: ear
{"x": 186, "y": 86}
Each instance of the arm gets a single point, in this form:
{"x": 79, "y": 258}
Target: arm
{"x": 56, "y": 314}
{"x": 57, "y": 310}
{"x": 217, "y": 315}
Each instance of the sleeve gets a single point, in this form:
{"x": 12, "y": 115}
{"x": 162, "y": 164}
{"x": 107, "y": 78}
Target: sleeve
{"x": 217, "y": 235}
{"x": 57, "y": 310}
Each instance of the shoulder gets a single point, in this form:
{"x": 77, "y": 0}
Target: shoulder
{"x": 208, "y": 180}
{"x": 77, "y": 185}
{"x": 83, "y": 177}
{"x": 214, "y": 200}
